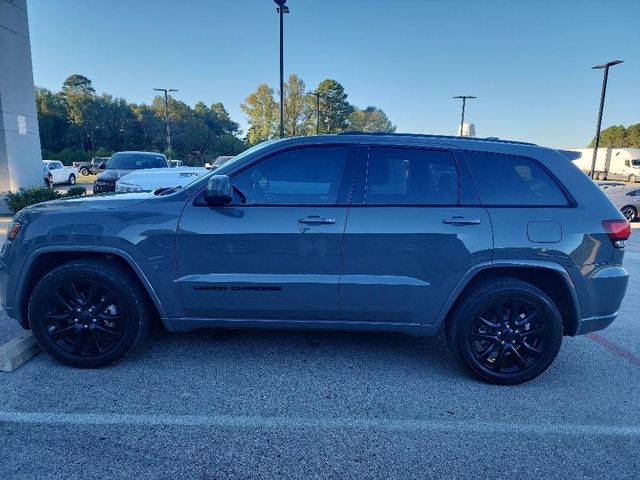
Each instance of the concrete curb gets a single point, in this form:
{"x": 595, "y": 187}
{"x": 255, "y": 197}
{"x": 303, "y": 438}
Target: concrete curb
{"x": 17, "y": 352}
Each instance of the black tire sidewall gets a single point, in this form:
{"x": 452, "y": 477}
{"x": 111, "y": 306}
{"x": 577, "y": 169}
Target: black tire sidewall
{"x": 482, "y": 301}
{"x": 84, "y": 171}
{"x": 635, "y": 212}
{"x": 72, "y": 179}
{"x": 132, "y": 307}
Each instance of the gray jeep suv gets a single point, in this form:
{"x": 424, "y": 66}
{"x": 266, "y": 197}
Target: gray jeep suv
{"x": 505, "y": 245}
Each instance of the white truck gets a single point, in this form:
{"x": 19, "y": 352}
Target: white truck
{"x": 154, "y": 178}
{"x": 55, "y": 172}
{"x": 611, "y": 163}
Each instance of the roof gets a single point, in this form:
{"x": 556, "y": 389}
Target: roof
{"x": 444, "y": 137}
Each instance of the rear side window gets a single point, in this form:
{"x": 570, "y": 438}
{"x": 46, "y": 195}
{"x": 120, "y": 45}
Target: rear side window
{"x": 405, "y": 176}
{"x": 507, "y": 180}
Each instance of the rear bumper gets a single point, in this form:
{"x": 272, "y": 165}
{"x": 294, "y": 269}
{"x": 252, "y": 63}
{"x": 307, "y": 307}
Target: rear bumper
{"x": 601, "y": 294}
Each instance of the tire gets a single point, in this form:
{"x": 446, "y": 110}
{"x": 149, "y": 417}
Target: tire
{"x": 632, "y": 179}
{"x": 88, "y": 313}
{"x": 630, "y": 212}
{"x": 84, "y": 171}
{"x": 50, "y": 181}
{"x": 72, "y": 179}
{"x": 498, "y": 349}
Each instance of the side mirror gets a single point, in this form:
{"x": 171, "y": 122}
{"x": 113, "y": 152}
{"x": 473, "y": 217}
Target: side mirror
{"x": 219, "y": 190}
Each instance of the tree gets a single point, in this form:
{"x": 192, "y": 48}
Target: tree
{"x": 261, "y": 110}
{"x": 371, "y": 119}
{"x": 78, "y": 94}
{"x": 298, "y": 108}
{"x": 52, "y": 119}
{"x": 335, "y": 110}
{"x": 615, "y": 136}
{"x": 633, "y": 136}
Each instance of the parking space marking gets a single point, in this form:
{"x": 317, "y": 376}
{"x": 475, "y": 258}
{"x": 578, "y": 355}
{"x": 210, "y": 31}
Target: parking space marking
{"x": 294, "y": 423}
{"x": 614, "y": 347}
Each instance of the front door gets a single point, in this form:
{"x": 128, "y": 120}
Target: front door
{"x": 414, "y": 230}
{"x": 276, "y": 251}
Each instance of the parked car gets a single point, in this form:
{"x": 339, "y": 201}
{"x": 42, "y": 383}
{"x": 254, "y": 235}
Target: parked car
{"x": 607, "y": 184}
{"x": 122, "y": 163}
{"x": 627, "y": 199}
{"x": 55, "y": 172}
{"x": 505, "y": 245}
{"x": 149, "y": 180}
{"x": 96, "y": 165}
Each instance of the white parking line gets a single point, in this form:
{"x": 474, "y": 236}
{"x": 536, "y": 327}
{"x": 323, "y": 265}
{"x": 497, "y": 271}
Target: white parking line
{"x": 293, "y": 423}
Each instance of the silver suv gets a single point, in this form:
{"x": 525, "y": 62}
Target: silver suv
{"x": 506, "y": 245}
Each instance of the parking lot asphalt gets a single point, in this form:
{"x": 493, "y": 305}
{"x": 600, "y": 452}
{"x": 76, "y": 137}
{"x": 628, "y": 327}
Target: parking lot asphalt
{"x": 263, "y": 404}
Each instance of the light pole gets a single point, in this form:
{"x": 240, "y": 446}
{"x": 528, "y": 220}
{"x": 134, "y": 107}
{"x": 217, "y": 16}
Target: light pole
{"x": 282, "y": 9}
{"x": 166, "y": 115}
{"x": 464, "y": 103}
{"x": 602, "y": 95}
{"x": 317, "y": 95}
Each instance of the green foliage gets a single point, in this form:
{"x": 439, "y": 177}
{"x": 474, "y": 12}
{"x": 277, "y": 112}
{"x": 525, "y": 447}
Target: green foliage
{"x": 33, "y": 195}
{"x": 262, "y": 114}
{"x": 299, "y": 108}
{"x": 618, "y": 136}
{"x": 371, "y": 119}
{"x": 30, "y": 196}
{"x": 76, "y": 124}
{"x": 335, "y": 110}
{"x": 75, "y": 191}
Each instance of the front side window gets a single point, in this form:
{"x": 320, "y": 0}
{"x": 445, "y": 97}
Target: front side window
{"x": 513, "y": 181}
{"x": 407, "y": 176}
{"x": 302, "y": 176}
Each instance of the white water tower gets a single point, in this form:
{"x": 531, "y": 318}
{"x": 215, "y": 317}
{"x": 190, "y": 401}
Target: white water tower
{"x": 468, "y": 130}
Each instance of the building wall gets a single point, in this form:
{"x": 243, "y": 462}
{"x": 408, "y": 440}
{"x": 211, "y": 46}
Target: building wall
{"x": 20, "y": 156}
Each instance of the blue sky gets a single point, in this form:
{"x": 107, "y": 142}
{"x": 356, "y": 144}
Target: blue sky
{"x": 527, "y": 61}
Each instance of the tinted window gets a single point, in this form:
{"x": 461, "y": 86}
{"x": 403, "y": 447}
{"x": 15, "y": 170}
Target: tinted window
{"x": 404, "y": 176}
{"x": 136, "y": 161}
{"x": 506, "y": 180}
{"x": 304, "y": 176}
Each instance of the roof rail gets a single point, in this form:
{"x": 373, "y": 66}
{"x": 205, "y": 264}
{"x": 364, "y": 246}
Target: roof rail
{"x": 424, "y": 135}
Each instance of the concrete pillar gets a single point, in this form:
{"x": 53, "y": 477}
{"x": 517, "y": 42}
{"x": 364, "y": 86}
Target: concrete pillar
{"x": 20, "y": 156}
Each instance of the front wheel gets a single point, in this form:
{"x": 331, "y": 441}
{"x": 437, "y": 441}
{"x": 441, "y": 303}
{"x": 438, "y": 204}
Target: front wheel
{"x": 72, "y": 179}
{"x": 88, "y": 313}
{"x": 505, "y": 331}
{"x": 632, "y": 179}
{"x": 84, "y": 171}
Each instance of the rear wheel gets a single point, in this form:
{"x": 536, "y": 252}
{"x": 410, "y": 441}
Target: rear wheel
{"x": 88, "y": 313}
{"x": 72, "y": 179}
{"x": 632, "y": 179}
{"x": 84, "y": 171}
{"x": 630, "y": 213}
{"x": 505, "y": 331}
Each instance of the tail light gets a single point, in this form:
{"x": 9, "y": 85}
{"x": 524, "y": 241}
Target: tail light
{"x": 617, "y": 230}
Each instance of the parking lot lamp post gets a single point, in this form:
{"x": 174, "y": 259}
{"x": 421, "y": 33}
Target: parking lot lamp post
{"x": 166, "y": 115}
{"x": 464, "y": 103}
{"x": 282, "y": 9}
{"x": 317, "y": 95}
{"x": 604, "y": 66}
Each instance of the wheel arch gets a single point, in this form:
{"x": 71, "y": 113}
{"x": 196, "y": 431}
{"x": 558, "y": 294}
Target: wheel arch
{"x": 45, "y": 259}
{"x": 549, "y": 277}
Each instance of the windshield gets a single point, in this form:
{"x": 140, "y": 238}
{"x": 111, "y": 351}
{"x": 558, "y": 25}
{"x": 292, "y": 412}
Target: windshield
{"x": 635, "y": 163}
{"x": 136, "y": 161}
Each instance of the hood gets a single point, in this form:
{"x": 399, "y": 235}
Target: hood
{"x": 91, "y": 202}
{"x": 113, "y": 174}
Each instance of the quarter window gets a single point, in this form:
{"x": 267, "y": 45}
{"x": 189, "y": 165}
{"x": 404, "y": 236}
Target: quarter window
{"x": 303, "y": 176}
{"x": 406, "y": 176}
{"x": 507, "y": 180}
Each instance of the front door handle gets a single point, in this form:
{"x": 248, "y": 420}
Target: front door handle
{"x": 459, "y": 220}
{"x": 316, "y": 220}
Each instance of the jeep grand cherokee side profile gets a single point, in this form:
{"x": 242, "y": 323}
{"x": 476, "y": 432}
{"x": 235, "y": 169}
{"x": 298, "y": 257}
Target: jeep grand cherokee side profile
{"x": 505, "y": 245}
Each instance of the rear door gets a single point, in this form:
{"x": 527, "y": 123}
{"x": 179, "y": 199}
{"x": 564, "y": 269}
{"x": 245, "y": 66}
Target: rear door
{"x": 276, "y": 251}
{"x": 414, "y": 230}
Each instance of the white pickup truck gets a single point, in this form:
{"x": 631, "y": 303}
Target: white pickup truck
{"x": 152, "y": 179}
{"x": 55, "y": 172}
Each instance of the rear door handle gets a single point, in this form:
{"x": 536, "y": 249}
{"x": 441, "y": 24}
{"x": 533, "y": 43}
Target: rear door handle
{"x": 459, "y": 220}
{"x": 316, "y": 220}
